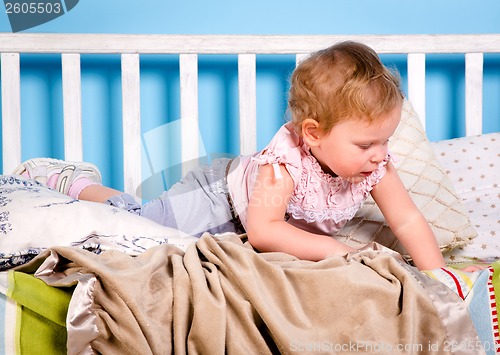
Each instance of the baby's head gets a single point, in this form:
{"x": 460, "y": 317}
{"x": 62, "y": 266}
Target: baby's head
{"x": 344, "y": 81}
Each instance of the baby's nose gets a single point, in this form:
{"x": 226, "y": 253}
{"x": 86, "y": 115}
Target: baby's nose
{"x": 379, "y": 155}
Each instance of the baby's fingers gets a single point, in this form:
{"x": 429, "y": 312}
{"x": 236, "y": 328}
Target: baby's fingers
{"x": 473, "y": 268}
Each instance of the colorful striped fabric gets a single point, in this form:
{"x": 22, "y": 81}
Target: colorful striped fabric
{"x": 479, "y": 291}
{"x": 33, "y": 315}
{"x": 8, "y": 318}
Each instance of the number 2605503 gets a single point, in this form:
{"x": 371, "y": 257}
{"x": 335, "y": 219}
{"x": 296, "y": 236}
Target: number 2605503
{"x": 33, "y": 8}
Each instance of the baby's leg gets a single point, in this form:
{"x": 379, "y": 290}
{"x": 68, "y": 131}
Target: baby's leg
{"x": 197, "y": 204}
{"x": 98, "y": 193}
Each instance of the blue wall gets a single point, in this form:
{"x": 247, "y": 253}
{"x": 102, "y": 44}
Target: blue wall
{"x": 41, "y": 85}
{"x": 276, "y": 16}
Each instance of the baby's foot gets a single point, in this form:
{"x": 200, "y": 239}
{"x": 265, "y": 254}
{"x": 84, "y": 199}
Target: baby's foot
{"x": 59, "y": 174}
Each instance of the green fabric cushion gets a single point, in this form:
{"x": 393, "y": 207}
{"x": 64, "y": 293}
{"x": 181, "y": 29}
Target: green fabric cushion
{"x": 41, "y": 316}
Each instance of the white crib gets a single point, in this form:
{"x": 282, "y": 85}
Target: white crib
{"x": 130, "y": 47}
{"x": 464, "y": 161}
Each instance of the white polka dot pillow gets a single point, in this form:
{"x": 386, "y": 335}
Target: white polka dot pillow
{"x": 473, "y": 165}
{"x": 429, "y": 187}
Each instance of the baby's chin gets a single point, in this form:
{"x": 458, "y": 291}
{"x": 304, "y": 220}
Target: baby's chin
{"x": 356, "y": 179}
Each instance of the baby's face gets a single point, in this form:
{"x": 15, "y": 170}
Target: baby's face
{"x": 354, "y": 148}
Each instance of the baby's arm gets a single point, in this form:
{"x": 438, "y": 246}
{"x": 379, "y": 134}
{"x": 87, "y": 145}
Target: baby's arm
{"x": 267, "y": 229}
{"x": 406, "y": 221}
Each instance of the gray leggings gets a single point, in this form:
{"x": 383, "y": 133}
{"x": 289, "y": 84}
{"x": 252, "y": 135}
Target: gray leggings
{"x": 198, "y": 203}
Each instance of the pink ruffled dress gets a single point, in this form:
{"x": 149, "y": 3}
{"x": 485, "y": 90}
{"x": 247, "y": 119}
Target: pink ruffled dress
{"x": 320, "y": 203}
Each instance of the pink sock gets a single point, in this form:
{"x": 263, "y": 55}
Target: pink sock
{"x": 78, "y": 185}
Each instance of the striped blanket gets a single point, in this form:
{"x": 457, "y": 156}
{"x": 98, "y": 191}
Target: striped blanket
{"x": 480, "y": 292}
{"x": 32, "y": 315}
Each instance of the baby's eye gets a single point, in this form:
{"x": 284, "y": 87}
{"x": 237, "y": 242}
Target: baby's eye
{"x": 365, "y": 146}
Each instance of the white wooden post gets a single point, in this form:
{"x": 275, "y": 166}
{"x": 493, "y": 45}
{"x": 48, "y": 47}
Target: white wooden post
{"x": 473, "y": 93}
{"x": 11, "y": 111}
{"x": 300, "y": 57}
{"x": 188, "y": 66}
{"x": 416, "y": 84}
{"x": 131, "y": 123}
{"x": 247, "y": 78}
{"x": 72, "y": 105}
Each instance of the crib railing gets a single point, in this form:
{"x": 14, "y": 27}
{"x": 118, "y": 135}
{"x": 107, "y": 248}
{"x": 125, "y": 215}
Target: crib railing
{"x": 130, "y": 47}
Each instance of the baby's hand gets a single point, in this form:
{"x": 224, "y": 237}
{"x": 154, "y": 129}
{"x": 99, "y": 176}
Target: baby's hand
{"x": 473, "y": 268}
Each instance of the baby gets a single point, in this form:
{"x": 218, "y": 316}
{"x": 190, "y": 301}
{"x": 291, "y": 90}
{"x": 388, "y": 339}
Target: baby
{"x": 302, "y": 188}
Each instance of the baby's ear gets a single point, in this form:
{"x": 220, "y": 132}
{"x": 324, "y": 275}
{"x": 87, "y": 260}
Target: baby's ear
{"x": 311, "y": 132}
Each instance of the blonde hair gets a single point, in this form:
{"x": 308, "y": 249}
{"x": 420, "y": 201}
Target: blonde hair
{"x": 344, "y": 81}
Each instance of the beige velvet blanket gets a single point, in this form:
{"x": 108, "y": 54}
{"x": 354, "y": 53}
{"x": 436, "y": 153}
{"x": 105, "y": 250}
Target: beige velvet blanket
{"x": 223, "y": 297}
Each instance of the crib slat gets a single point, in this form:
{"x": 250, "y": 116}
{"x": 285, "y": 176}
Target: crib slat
{"x": 131, "y": 122}
{"x": 247, "y": 78}
{"x": 300, "y": 57}
{"x": 188, "y": 67}
{"x": 473, "y": 93}
{"x": 416, "y": 83}
{"x": 11, "y": 111}
{"x": 72, "y": 105}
